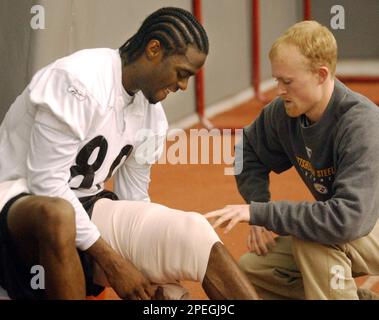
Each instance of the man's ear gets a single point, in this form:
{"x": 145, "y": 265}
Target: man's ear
{"x": 323, "y": 73}
{"x": 153, "y": 49}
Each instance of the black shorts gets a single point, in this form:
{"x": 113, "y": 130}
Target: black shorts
{"x": 15, "y": 276}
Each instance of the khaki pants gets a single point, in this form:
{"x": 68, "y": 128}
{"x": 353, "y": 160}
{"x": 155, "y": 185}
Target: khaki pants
{"x": 297, "y": 269}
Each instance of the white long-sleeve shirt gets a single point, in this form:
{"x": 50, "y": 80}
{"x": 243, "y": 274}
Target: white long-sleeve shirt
{"x": 72, "y": 128}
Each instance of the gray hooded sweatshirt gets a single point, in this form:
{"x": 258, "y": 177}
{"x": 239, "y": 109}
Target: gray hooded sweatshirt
{"x": 336, "y": 157}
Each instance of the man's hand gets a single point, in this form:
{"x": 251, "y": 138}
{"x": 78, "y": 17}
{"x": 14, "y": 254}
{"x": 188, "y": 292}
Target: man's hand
{"x": 232, "y": 213}
{"x": 259, "y": 240}
{"x": 128, "y": 282}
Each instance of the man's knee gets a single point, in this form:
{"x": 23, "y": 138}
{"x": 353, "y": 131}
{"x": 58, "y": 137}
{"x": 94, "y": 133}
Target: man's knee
{"x": 56, "y": 218}
{"x": 250, "y": 263}
{"x": 200, "y": 230}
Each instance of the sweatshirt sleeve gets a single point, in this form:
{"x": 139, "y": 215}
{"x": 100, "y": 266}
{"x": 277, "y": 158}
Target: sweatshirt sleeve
{"x": 257, "y": 154}
{"x": 353, "y": 210}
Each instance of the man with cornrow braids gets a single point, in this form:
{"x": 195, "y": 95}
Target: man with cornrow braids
{"x": 174, "y": 28}
{"x": 80, "y": 121}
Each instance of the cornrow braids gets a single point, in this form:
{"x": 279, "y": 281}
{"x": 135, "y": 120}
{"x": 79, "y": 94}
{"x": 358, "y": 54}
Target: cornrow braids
{"x": 175, "y": 28}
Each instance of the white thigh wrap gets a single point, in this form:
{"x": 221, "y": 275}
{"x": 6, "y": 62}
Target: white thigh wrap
{"x": 165, "y": 244}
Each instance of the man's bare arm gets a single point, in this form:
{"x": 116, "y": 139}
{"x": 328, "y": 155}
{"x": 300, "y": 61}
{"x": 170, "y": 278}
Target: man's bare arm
{"x": 123, "y": 276}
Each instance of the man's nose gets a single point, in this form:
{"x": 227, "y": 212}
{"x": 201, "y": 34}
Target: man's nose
{"x": 281, "y": 89}
{"x": 183, "y": 83}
